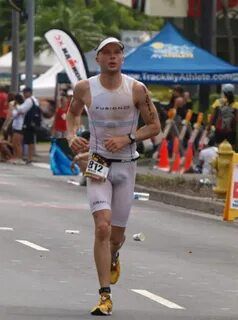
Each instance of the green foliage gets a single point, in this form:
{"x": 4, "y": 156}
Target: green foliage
{"x": 74, "y": 18}
{"x": 87, "y": 23}
{"x": 160, "y": 93}
{"x": 5, "y": 21}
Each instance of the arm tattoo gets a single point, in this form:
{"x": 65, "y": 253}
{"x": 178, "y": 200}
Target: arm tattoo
{"x": 147, "y": 101}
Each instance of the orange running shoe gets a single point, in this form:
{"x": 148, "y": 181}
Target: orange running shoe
{"x": 115, "y": 269}
{"x": 104, "y": 306}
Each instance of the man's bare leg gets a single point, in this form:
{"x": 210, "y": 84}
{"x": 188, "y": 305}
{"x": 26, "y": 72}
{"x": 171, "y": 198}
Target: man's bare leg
{"x": 117, "y": 239}
{"x": 102, "y": 252}
{"x": 31, "y": 149}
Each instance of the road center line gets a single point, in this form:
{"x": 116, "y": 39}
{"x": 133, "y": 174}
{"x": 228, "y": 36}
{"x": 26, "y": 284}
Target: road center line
{"x": 32, "y": 245}
{"x": 158, "y": 299}
{"x": 6, "y": 228}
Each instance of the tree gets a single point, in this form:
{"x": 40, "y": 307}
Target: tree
{"x": 5, "y": 22}
{"x": 231, "y": 48}
{"x": 76, "y": 19}
{"x": 88, "y": 21}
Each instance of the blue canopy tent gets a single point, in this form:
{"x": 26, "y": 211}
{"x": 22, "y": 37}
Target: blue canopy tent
{"x": 168, "y": 58}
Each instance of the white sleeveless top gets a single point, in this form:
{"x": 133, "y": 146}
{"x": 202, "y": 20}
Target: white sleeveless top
{"x": 112, "y": 113}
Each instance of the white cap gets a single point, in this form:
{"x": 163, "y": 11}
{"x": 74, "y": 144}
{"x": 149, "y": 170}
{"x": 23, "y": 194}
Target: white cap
{"x": 107, "y": 41}
{"x": 228, "y": 87}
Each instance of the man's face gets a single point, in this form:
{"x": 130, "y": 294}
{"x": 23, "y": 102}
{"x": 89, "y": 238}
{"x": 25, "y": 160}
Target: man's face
{"x": 110, "y": 58}
{"x": 26, "y": 94}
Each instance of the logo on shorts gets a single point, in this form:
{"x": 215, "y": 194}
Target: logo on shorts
{"x": 99, "y": 202}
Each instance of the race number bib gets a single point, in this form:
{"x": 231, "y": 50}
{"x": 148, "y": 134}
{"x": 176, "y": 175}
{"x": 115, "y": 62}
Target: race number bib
{"x": 97, "y": 167}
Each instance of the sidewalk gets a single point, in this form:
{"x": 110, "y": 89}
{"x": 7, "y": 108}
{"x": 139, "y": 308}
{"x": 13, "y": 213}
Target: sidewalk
{"x": 42, "y": 152}
{"x": 207, "y": 205}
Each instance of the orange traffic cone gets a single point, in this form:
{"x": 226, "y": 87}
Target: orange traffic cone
{"x": 176, "y": 164}
{"x": 163, "y": 157}
{"x": 188, "y": 158}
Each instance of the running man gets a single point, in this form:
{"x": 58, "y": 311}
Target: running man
{"x": 113, "y": 102}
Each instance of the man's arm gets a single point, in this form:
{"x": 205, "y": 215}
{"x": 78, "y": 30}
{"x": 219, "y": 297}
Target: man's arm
{"x": 77, "y": 104}
{"x": 148, "y": 113}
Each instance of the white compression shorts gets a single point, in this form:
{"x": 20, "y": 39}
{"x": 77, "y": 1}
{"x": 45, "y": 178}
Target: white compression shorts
{"x": 116, "y": 193}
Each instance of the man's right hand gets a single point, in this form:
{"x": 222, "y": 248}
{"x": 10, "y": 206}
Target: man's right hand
{"x": 78, "y": 144}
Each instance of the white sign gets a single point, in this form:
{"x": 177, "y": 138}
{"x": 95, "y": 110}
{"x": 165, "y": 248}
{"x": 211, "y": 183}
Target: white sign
{"x": 68, "y": 54}
{"x": 162, "y": 8}
{"x": 125, "y": 2}
{"x": 234, "y": 188}
{"x": 133, "y": 39}
{"x": 166, "y": 8}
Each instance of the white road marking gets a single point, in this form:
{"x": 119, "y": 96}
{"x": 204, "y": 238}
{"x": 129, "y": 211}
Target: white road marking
{"x": 72, "y": 231}
{"x": 71, "y": 181}
{"x": 6, "y": 228}
{"x": 6, "y": 183}
{"x": 158, "y": 299}
{"x": 32, "y": 245}
{"x": 41, "y": 165}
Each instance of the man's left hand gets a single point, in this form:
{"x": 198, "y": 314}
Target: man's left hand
{"x": 115, "y": 144}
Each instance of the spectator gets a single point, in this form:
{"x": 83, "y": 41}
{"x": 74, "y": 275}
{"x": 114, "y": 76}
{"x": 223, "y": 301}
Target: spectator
{"x": 206, "y": 156}
{"x": 17, "y": 128}
{"x": 6, "y": 152}
{"x": 7, "y": 125}
{"x": 29, "y": 134}
{"x": 59, "y": 126}
{"x": 3, "y": 106}
{"x": 224, "y": 117}
{"x": 177, "y": 100}
{"x": 188, "y": 105}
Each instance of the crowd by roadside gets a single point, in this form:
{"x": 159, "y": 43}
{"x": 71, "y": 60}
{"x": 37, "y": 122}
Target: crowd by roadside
{"x": 19, "y": 132}
{"x": 21, "y": 117}
{"x": 203, "y": 131}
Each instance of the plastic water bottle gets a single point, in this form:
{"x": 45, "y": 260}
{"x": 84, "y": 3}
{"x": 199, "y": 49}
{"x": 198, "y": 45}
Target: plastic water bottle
{"x": 141, "y": 196}
{"x": 139, "y": 236}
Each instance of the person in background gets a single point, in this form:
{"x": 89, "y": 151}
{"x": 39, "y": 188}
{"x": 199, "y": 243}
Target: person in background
{"x": 59, "y": 128}
{"x": 6, "y": 151}
{"x": 7, "y": 125}
{"x": 206, "y": 156}
{"x": 17, "y": 129}
{"x": 29, "y": 134}
{"x": 177, "y": 99}
{"x": 188, "y": 104}
{"x": 3, "y": 106}
{"x": 225, "y": 115}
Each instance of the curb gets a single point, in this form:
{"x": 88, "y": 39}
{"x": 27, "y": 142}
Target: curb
{"x": 207, "y": 205}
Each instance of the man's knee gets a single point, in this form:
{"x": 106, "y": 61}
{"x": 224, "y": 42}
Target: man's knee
{"x": 103, "y": 230}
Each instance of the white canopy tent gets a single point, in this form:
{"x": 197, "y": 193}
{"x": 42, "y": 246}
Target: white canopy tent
{"x": 48, "y": 66}
{"x": 44, "y": 85}
{"x": 41, "y": 63}
{"x": 5, "y": 63}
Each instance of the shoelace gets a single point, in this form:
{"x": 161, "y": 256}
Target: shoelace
{"x": 103, "y": 299}
{"x": 115, "y": 259}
